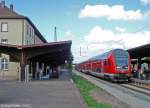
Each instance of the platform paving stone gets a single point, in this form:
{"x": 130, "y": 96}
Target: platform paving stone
{"x": 40, "y": 94}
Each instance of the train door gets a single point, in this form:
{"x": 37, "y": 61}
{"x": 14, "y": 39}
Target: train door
{"x": 102, "y": 66}
{"x": 99, "y": 70}
{"x": 106, "y": 66}
{"x": 97, "y": 67}
{"x": 90, "y": 67}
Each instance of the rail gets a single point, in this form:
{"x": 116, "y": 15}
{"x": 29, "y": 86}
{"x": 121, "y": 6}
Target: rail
{"x": 134, "y": 85}
{"x": 140, "y": 83}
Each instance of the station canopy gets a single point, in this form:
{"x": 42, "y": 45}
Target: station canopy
{"x": 140, "y": 52}
{"x": 51, "y": 53}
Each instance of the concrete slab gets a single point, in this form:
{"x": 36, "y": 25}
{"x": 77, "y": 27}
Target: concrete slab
{"x": 40, "y": 94}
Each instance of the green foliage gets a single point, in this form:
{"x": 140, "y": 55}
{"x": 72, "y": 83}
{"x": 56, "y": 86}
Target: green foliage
{"x": 85, "y": 87}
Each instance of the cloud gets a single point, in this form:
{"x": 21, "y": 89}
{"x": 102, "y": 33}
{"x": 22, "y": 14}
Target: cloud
{"x": 111, "y": 40}
{"x": 116, "y": 12}
{"x": 69, "y": 34}
{"x": 119, "y": 29}
{"x": 145, "y": 1}
{"x": 137, "y": 39}
{"x": 100, "y": 40}
{"x": 97, "y": 34}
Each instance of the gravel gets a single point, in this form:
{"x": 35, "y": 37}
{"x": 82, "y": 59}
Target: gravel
{"x": 102, "y": 96}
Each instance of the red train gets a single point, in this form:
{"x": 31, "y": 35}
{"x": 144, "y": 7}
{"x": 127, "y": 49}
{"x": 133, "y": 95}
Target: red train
{"x": 114, "y": 65}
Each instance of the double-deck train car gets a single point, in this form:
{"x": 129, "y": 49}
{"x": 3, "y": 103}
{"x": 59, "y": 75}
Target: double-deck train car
{"x": 114, "y": 65}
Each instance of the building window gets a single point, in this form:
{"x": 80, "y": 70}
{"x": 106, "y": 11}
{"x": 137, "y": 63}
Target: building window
{"x": 30, "y": 31}
{"x": 27, "y": 29}
{"x": 4, "y": 27}
{"x": 4, "y": 64}
{"x": 4, "y": 41}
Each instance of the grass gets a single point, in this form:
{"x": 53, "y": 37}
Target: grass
{"x": 85, "y": 87}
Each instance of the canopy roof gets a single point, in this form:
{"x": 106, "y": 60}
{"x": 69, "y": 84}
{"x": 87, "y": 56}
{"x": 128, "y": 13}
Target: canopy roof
{"x": 140, "y": 52}
{"x": 53, "y": 52}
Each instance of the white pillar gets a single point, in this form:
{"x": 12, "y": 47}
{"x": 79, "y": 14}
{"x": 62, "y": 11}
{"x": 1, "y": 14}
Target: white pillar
{"x": 37, "y": 69}
{"x": 27, "y": 73}
{"x": 43, "y": 65}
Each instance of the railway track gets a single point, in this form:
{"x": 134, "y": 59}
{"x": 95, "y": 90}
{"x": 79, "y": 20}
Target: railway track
{"x": 136, "y": 88}
{"x": 140, "y": 83}
{"x": 130, "y": 86}
{"x": 136, "y": 85}
{"x": 130, "y": 94}
{"x": 139, "y": 86}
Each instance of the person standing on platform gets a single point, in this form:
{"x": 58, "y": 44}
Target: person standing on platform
{"x": 141, "y": 74}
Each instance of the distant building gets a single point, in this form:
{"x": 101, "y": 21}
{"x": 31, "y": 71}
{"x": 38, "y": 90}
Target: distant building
{"x": 15, "y": 29}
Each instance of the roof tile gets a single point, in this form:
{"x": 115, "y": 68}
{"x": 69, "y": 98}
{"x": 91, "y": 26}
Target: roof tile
{"x": 5, "y": 12}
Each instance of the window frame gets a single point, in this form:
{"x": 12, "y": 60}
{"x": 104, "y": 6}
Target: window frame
{"x": 30, "y": 34}
{"x": 2, "y": 27}
{"x": 6, "y": 42}
{"x": 27, "y": 29}
{"x": 4, "y": 64}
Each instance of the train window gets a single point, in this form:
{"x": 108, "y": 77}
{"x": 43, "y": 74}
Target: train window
{"x": 121, "y": 59}
{"x": 105, "y": 63}
{"x": 98, "y": 70}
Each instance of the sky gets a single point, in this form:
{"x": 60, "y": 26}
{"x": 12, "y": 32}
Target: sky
{"x": 94, "y": 26}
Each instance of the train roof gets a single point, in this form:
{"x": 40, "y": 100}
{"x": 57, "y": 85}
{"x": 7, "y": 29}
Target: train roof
{"x": 105, "y": 55}
{"x": 102, "y": 56}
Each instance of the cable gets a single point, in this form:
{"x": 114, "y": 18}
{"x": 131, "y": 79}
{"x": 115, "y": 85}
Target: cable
{"x": 138, "y": 30}
{"x": 148, "y": 25}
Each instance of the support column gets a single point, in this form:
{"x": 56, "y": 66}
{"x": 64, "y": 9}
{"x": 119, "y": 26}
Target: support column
{"x": 139, "y": 63}
{"x": 134, "y": 70}
{"x": 139, "y": 66}
{"x": 23, "y": 62}
{"x": 43, "y": 68}
{"x": 33, "y": 69}
{"x": 37, "y": 70}
{"x": 148, "y": 65}
{"x": 30, "y": 67}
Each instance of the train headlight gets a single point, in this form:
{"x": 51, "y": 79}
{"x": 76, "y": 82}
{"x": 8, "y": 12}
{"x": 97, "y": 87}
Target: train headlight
{"x": 118, "y": 67}
{"x": 125, "y": 67}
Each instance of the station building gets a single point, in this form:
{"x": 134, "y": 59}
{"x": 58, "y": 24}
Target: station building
{"x": 18, "y": 34}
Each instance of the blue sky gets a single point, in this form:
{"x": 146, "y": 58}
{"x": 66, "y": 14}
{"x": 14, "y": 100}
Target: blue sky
{"x": 75, "y": 20}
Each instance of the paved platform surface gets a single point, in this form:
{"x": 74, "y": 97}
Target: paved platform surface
{"x": 41, "y": 94}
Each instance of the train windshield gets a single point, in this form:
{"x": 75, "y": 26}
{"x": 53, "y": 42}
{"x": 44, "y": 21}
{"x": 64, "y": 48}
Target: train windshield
{"x": 121, "y": 59}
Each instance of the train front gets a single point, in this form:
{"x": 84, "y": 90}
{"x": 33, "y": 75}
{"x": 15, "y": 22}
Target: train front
{"x": 122, "y": 65}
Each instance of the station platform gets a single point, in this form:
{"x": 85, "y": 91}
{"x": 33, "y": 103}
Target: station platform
{"x": 55, "y": 93}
